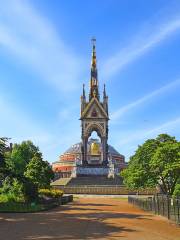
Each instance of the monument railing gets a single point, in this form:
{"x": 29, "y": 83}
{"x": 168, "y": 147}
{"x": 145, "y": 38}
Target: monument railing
{"x": 159, "y": 204}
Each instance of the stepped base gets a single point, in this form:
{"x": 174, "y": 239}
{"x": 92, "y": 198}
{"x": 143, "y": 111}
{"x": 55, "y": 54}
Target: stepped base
{"x": 92, "y": 185}
{"x": 61, "y": 182}
{"x": 101, "y": 185}
{"x": 94, "y": 181}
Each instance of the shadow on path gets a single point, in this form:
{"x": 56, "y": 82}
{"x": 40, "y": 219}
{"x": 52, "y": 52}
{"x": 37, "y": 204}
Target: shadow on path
{"x": 73, "y": 221}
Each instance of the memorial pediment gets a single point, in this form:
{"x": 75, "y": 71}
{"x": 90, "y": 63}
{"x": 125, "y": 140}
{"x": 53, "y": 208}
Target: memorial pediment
{"x": 94, "y": 110}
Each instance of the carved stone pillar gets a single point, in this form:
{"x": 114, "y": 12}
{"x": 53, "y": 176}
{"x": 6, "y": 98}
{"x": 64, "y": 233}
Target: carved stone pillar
{"x": 104, "y": 150}
{"x": 85, "y": 141}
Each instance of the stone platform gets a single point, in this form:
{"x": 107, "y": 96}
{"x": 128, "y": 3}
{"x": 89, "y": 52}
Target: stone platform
{"x": 92, "y": 171}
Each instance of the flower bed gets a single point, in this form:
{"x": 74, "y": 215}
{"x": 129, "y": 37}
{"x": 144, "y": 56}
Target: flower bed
{"x": 48, "y": 198}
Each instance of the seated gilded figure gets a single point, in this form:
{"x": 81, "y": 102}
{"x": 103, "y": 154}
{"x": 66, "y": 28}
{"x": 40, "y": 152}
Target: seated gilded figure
{"x": 95, "y": 149}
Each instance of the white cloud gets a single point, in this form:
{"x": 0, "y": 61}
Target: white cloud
{"x": 31, "y": 38}
{"x": 153, "y": 132}
{"x": 140, "y": 44}
{"x": 123, "y": 110}
{"x": 16, "y": 123}
{"x": 20, "y": 126}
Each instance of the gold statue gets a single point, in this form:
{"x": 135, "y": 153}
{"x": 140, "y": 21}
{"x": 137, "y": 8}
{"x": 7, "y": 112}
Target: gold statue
{"x": 95, "y": 150}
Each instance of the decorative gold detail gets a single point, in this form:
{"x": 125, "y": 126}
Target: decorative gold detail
{"x": 93, "y": 63}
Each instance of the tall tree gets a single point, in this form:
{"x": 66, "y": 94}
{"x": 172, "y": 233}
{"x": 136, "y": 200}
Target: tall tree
{"x": 3, "y": 148}
{"x": 165, "y": 164}
{"x": 139, "y": 174}
{"x": 39, "y": 172}
{"x": 20, "y": 156}
{"x": 156, "y": 162}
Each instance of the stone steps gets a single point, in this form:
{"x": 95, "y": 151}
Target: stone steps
{"x": 95, "y": 181}
{"x": 61, "y": 182}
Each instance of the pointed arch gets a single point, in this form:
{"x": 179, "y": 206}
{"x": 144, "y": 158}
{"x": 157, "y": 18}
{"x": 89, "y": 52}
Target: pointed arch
{"x": 94, "y": 127}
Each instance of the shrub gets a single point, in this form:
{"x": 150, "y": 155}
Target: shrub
{"x": 10, "y": 197}
{"x": 30, "y": 190}
{"x": 55, "y": 193}
{"x": 12, "y": 190}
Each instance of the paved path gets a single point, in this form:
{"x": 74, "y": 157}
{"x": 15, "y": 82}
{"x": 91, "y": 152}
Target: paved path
{"x": 88, "y": 218}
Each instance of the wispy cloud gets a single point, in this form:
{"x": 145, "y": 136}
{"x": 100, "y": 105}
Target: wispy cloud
{"x": 123, "y": 110}
{"x": 27, "y": 35}
{"x": 19, "y": 125}
{"x": 145, "y": 40}
{"x": 16, "y": 123}
{"x": 153, "y": 132}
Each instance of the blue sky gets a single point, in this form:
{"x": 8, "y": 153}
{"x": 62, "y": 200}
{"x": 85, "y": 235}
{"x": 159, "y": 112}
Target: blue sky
{"x": 45, "y": 54}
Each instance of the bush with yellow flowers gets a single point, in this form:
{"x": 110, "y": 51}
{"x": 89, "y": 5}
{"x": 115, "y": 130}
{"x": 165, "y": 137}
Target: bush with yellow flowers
{"x": 54, "y": 193}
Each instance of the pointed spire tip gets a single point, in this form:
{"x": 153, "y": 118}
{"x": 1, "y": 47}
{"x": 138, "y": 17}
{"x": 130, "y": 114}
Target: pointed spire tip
{"x": 93, "y": 40}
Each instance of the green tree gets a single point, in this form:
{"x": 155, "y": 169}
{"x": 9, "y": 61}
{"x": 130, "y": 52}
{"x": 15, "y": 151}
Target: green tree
{"x": 16, "y": 162}
{"x": 165, "y": 164}
{"x": 135, "y": 176}
{"x": 30, "y": 190}
{"x": 3, "y": 148}
{"x": 26, "y": 171}
{"x": 156, "y": 162}
{"x": 19, "y": 158}
{"x": 176, "y": 192}
{"x": 39, "y": 172}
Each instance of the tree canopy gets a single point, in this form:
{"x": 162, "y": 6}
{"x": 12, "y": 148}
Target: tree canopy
{"x": 25, "y": 170}
{"x": 39, "y": 172}
{"x": 3, "y": 147}
{"x": 155, "y": 163}
{"x": 21, "y": 155}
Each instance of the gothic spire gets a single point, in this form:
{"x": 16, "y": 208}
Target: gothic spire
{"x": 94, "y": 91}
{"x": 105, "y": 99}
{"x": 104, "y": 92}
{"x": 83, "y": 99}
{"x": 84, "y": 95}
{"x": 93, "y": 62}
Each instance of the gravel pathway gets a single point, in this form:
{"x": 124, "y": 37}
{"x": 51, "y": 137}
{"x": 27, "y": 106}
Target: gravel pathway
{"x": 88, "y": 218}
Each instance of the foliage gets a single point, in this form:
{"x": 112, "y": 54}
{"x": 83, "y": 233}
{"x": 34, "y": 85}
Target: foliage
{"x": 165, "y": 164}
{"x": 12, "y": 190}
{"x": 39, "y": 172}
{"x": 135, "y": 176}
{"x": 156, "y": 162}
{"x": 3, "y": 146}
{"x": 51, "y": 192}
{"x": 30, "y": 190}
{"x": 176, "y": 192}
{"x": 25, "y": 172}
{"x": 19, "y": 158}
{"x": 16, "y": 162}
